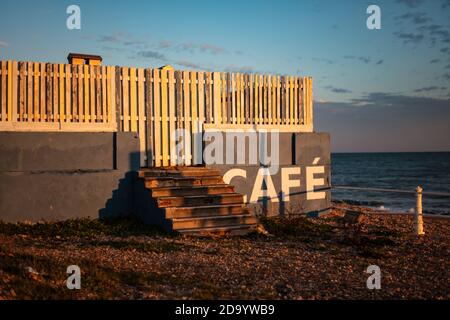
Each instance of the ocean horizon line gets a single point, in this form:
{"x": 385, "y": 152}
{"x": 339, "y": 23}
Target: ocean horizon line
{"x": 388, "y": 152}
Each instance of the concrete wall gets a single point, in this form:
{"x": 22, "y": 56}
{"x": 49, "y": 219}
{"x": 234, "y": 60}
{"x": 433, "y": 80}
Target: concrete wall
{"x": 62, "y": 175}
{"x": 307, "y": 155}
{"x": 57, "y": 176}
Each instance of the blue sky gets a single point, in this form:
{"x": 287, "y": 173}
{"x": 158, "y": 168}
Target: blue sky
{"x": 374, "y": 90}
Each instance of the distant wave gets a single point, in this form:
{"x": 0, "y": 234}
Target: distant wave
{"x": 360, "y": 202}
{"x": 380, "y": 207}
{"x": 404, "y": 171}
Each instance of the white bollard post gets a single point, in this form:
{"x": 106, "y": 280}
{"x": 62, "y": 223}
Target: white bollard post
{"x": 419, "y": 215}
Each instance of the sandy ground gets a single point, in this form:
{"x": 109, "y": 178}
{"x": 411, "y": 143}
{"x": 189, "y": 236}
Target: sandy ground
{"x": 296, "y": 258}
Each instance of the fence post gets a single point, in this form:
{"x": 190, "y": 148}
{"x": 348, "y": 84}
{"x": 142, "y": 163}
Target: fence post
{"x": 419, "y": 216}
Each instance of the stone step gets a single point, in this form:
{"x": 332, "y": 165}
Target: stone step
{"x": 192, "y": 190}
{"x": 156, "y": 182}
{"x": 180, "y": 168}
{"x": 228, "y": 230}
{"x": 190, "y": 201}
{"x": 199, "y": 172}
{"x": 203, "y": 211}
{"x": 213, "y": 221}
{"x": 195, "y": 200}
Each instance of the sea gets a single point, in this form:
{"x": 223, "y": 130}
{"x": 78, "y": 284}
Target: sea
{"x": 404, "y": 171}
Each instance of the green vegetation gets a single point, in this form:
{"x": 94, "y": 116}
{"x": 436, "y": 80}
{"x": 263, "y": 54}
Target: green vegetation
{"x": 86, "y": 228}
{"x": 126, "y": 259}
{"x": 301, "y": 227}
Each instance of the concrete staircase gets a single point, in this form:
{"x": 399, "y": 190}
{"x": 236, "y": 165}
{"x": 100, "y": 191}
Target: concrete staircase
{"x": 195, "y": 200}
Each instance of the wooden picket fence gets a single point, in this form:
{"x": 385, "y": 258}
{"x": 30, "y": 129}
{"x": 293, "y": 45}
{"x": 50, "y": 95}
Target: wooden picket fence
{"x": 152, "y": 102}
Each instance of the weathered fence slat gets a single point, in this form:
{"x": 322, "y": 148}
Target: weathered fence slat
{"x": 3, "y": 91}
{"x": 149, "y": 115}
{"x": 238, "y": 98}
{"x": 13, "y": 110}
{"x": 201, "y": 96}
{"x": 164, "y": 119}
{"x": 251, "y": 105}
{"x": 104, "y": 91}
{"x": 256, "y": 113}
{"x": 22, "y": 90}
{"x": 125, "y": 100}
{"x": 216, "y": 96}
{"x": 187, "y": 119}
{"x": 29, "y": 91}
{"x": 80, "y": 93}
{"x": 133, "y": 106}
{"x": 74, "y": 72}
{"x": 228, "y": 97}
{"x": 68, "y": 99}
{"x": 92, "y": 76}
{"x": 208, "y": 96}
{"x": 151, "y": 102}
{"x": 36, "y": 99}
{"x": 157, "y": 118}
{"x": 86, "y": 93}
{"x": 118, "y": 106}
{"x": 49, "y": 92}
{"x": 172, "y": 116}
{"x": 242, "y": 97}
{"x": 141, "y": 115}
{"x": 194, "y": 115}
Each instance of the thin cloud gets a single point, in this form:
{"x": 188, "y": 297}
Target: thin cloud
{"x": 397, "y": 100}
{"x": 114, "y": 38}
{"x": 445, "y": 4}
{"x": 188, "y": 64}
{"x": 117, "y": 49}
{"x": 436, "y": 33}
{"x": 240, "y": 69}
{"x": 411, "y": 3}
{"x": 337, "y": 90}
{"x": 3, "y": 44}
{"x": 414, "y": 17}
{"x": 445, "y": 34}
{"x": 383, "y": 121}
{"x": 133, "y": 42}
{"x": 361, "y": 58}
{"x": 206, "y": 47}
{"x": 246, "y": 69}
{"x": 151, "y": 54}
{"x": 119, "y": 38}
{"x": 323, "y": 60}
{"x": 203, "y": 47}
{"x": 409, "y": 37}
{"x": 165, "y": 44}
{"x": 192, "y": 47}
{"x": 428, "y": 89}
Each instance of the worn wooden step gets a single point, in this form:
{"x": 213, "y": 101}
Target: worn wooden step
{"x": 180, "y": 168}
{"x": 203, "y": 211}
{"x": 156, "y": 182}
{"x": 195, "y": 200}
{"x": 189, "y": 201}
{"x": 192, "y": 190}
{"x": 227, "y": 230}
{"x": 213, "y": 221}
{"x": 178, "y": 173}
